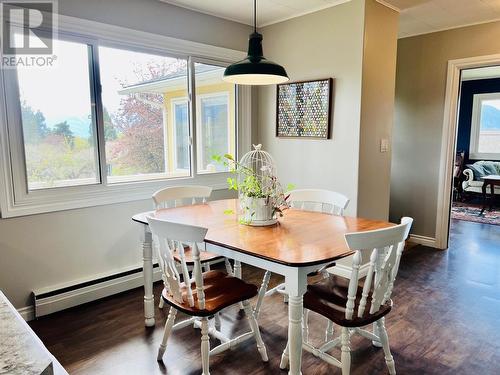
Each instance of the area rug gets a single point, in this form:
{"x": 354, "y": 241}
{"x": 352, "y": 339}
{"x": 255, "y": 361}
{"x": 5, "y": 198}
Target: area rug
{"x": 472, "y": 212}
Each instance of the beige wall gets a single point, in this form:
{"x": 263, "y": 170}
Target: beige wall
{"x": 420, "y": 90}
{"x": 161, "y": 18}
{"x": 355, "y": 43}
{"x": 325, "y": 44}
{"x": 377, "y": 109}
{"x": 49, "y": 249}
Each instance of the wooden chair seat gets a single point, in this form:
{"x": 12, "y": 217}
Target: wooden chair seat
{"x": 220, "y": 290}
{"x": 328, "y": 297}
{"x": 205, "y": 256}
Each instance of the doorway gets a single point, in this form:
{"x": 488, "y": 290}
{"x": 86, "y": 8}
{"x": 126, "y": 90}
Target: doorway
{"x": 470, "y": 155}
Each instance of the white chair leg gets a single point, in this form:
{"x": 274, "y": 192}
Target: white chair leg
{"x": 329, "y": 331}
{"x": 161, "y": 303}
{"x": 345, "y": 357}
{"x": 207, "y": 267}
{"x": 205, "y": 347}
{"x": 166, "y": 333}
{"x": 375, "y": 331}
{"x": 262, "y": 293}
{"x": 261, "y": 347}
{"x": 237, "y": 269}
{"x": 217, "y": 321}
{"x": 237, "y": 273}
{"x": 229, "y": 269}
{"x": 389, "y": 360}
{"x": 285, "y": 358}
{"x": 305, "y": 326}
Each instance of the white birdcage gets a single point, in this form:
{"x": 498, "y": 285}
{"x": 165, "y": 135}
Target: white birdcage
{"x": 258, "y": 187}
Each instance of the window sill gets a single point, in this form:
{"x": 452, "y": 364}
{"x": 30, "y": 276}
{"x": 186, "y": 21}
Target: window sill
{"x": 98, "y": 195}
{"x": 484, "y": 156}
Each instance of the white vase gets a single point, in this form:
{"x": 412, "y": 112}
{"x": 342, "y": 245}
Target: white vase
{"x": 257, "y": 211}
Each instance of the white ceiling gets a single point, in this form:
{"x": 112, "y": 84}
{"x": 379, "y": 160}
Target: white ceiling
{"x": 481, "y": 73}
{"x": 268, "y": 11}
{"x": 425, "y": 16}
{"x": 417, "y": 16}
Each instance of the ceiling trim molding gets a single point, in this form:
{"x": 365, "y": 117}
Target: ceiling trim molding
{"x": 449, "y": 28}
{"x": 390, "y": 6}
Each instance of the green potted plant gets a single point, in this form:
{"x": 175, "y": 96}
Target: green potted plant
{"x": 262, "y": 199}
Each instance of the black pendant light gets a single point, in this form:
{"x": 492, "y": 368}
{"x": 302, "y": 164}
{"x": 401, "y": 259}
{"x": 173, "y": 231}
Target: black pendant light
{"x": 255, "y": 69}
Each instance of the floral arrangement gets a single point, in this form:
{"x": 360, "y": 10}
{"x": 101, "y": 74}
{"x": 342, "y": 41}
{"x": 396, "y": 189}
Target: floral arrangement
{"x": 262, "y": 198}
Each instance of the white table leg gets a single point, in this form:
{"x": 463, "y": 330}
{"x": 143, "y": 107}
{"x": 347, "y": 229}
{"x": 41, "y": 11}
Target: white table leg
{"x": 296, "y": 283}
{"x": 147, "y": 271}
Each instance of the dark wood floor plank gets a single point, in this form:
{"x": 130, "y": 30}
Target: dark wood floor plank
{"x": 445, "y": 321}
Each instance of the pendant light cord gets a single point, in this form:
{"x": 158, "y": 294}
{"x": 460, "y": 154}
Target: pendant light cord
{"x": 255, "y": 15}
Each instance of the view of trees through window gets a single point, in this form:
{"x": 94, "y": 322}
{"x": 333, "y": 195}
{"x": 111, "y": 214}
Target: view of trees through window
{"x": 142, "y": 106}
{"x": 58, "y": 130}
{"x": 133, "y": 96}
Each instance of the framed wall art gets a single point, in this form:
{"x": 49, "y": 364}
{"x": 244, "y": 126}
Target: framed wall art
{"x": 304, "y": 109}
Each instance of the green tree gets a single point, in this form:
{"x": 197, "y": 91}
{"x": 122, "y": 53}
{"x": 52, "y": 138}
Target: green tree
{"x": 63, "y": 129}
{"x": 110, "y": 133}
{"x": 34, "y": 125}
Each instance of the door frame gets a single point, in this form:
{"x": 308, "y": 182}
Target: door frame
{"x": 448, "y": 140}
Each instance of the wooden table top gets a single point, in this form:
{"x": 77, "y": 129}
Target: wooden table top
{"x": 300, "y": 238}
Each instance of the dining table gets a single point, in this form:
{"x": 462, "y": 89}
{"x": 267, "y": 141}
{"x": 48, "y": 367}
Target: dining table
{"x": 301, "y": 242}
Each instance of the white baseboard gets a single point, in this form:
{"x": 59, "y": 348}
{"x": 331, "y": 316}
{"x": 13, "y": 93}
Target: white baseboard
{"x": 60, "y": 301}
{"x": 80, "y": 295}
{"x": 423, "y": 240}
{"x": 27, "y": 312}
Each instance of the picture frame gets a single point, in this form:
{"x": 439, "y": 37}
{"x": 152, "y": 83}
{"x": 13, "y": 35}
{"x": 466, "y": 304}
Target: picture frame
{"x": 304, "y": 109}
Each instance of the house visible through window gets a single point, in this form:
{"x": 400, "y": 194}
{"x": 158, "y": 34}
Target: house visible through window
{"x": 485, "y": 130}
{"x": 136, "y": 88}
{"x": 181, "y": 135}
{"x": 123, "y": 119}
{"x": 215, "y": 117}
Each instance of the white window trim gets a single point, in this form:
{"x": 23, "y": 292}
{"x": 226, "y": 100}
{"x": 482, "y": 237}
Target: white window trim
{"x": 474, "y": 154}
{"x": 177, "y": 101}
{"x": 199, "y": 98}
{"x": 94, "y": 195}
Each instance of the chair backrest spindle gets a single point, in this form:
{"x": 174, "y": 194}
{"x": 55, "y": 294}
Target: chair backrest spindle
{"x": 386, "y": 249}
{"x": 171, "y": 237}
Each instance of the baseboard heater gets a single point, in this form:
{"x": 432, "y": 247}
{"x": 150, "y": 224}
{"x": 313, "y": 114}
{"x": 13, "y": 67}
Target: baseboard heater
{"x": 53, "y": 299}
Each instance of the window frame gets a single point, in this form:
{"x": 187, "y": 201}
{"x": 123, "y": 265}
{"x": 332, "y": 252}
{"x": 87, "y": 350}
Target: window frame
{"x": 15, "y": 200}
{"x": 477, "y": 102}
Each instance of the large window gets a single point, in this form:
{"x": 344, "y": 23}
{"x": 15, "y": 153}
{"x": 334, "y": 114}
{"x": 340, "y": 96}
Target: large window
{"x": 59, "y": 129}
{"x": 136, "y": 87}
{"x": 485, "y": 129}
{"x": 113, "y": 121}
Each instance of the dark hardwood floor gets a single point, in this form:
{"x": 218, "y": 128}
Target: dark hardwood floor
{"x": 445, "y": 320}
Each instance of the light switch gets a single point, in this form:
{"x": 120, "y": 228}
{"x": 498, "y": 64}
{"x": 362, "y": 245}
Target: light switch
{"x": 384, "y": 145}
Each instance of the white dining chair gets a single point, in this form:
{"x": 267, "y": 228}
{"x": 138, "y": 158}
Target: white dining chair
{"x": 319, "y": 200}
{"x": 180, "y": 196}
{"x": 202, "y": 294}
{"x": 353, "y": 306}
